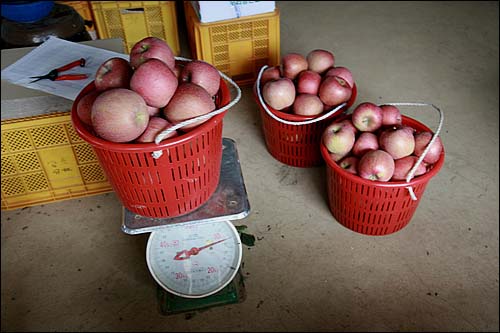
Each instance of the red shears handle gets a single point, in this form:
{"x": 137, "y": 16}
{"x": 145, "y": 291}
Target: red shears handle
{"x": 80, "y": 62}
{"x": 71, "y": 77}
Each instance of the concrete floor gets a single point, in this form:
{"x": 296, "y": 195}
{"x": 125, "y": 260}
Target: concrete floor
{"x": 67, "y": 266}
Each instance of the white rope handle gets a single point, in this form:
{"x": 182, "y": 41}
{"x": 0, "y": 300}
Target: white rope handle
{"x": 412, "y": 171}
{"x": 156, "y": 154}
{"x": 305, "y": 122}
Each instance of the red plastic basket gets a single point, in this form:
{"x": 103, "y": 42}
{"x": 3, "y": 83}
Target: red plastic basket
{"x": 182, "y": 179}
{"x": 295, "y": 145}
{"x": 373, "y": 207}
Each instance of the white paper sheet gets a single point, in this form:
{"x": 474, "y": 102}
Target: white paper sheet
{"x": 54, "y": 53}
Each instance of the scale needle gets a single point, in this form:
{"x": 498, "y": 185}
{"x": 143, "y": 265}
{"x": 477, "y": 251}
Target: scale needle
{"x": 194, "y": 251}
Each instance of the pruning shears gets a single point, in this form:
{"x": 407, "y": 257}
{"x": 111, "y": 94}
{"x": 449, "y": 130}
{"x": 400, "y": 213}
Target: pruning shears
{"x": 53, "y": 75}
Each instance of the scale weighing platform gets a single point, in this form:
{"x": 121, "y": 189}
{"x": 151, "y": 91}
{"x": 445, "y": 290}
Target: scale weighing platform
{"x": 195, "y": 258}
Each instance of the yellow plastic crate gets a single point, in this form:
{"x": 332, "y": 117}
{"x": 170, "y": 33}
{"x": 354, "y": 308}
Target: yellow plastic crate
{"x": 237, "y": 47}
{"x": 44, "y": 160}
{"x": 135, "y": 20}
{"x": 83, "y": 8}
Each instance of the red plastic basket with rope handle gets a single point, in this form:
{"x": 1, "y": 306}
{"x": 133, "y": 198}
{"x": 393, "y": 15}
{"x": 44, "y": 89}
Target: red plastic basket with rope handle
{"x": 294, "y": 139}
{"x": 374, "y": 207}
{"x": 165, "y": 178}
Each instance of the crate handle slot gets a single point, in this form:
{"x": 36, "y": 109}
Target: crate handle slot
{"x": 132, "y": 10}
{"x": 162, "y": 135}
{"x": 412, "y": 171}
{"x": 287, "y": 122}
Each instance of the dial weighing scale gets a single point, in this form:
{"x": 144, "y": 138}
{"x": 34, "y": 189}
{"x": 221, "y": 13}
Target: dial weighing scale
{"x": 195, "y": 258}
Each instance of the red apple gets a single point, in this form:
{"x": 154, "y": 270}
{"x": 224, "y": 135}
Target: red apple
{"x": 203, "y": 74}
{"x": 320, "y": 60}
{"x": 349, "y": 164}
{"x": 269, "y": 74}
{"x": 279, "y": 94}
{"x": 337, "y": 157}
{"x": 365, "y": 142}
{"x": 338, "y": 138}
{"x": 367, "y": 117}
{"x": 307, "y": 105}
{"x": 119, "y": 115}
{"x": 113, "y": 73}
{"x": 155, "y": 82}
{"x": 422, "y": 140}
{"x": 348, "y": 123}
{"x": 156, "y": 125}
{"x": 151, "y": 47}
{"x": 391, "y": 115}
{"x": 292, "y": 64}
{"x": 398, "y": 141}
{"x": 403, "y": 165}
{"x": 84, "y": 107}
{"x": 308, "y": 82}
{"x": 342, "y": 72}
{"x": 178, "y": 70}
{"x": 152, "y": 111}
{"x": 334, "y": 90}
{"x": 189, "y": 101}
{"x": 376, "y": 165}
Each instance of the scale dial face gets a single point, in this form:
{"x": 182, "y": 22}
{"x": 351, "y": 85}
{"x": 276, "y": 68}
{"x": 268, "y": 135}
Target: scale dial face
{"x": 194, "y": 260}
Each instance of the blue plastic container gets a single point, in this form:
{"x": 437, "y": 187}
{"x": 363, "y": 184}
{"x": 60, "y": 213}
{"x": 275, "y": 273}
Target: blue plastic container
{"x": 26, "y": 11}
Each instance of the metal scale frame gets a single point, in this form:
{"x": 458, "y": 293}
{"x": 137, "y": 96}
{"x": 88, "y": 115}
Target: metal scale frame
{"x": 229, "y": 202}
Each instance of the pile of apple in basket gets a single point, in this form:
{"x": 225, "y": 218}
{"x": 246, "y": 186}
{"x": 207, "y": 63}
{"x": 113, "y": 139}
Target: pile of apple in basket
{"x": 306, "y": 86}
{"x": 135, "y": 100}
{"x": 374, "y": 144}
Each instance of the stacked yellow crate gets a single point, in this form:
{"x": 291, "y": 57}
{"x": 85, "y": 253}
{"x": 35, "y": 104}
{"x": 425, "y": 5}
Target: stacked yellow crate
{"x": 237, "y": 47}
{"x": 44, "y": 160}
{"x": 135, "y": 20}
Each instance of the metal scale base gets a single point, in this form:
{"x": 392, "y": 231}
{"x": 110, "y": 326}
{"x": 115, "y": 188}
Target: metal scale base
{"x": 169, "y": 304}
{"x": 229, "y": 202}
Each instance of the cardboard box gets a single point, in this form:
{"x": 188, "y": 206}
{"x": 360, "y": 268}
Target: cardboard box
{"x": 212, "y": 11}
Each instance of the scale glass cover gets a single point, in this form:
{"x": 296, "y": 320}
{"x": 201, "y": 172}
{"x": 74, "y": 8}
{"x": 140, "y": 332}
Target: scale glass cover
{"x": 194, "y": 259}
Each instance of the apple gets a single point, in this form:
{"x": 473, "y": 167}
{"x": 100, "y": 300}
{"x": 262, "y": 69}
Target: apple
{"x": 391, "y": 115}
{"x": 376, "y": 165}
{"x": 338, "y": 138}
{"x": 178, "y": 70}
{"x": 203, "y": 74}
{"x": 403, "y": 165}
{"x": 320, "y": 60}
{"x": 151, "y": 47}
{"x": 292, "y": 64}
{"x": 334, "y": 90}
{"x": 365, "y": 142}
{"x": 308, "y": 82}
{"x": 119, "y": 115}
{"x": 189, "y": 101}
{"x": 153, "y": 111}
{"x": 156, "y": 125}
{"x": 348, "y": 123}
{"x": 367, "y": 117}
{"x": 279, "y": 94}
{"x": 398, "y": 141}
{"x": 337, "y": 157}
{"x": 269, "y": 74}
{"x": 84, "y": 107}
{"x": 155, "y": 82}
{"x": 307, "y": 105}
{"x": 349, "y": 164}
{"x": 113, "y": 73}
{"x": 342, "y": 72}
{"x": 422, "y": 140}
